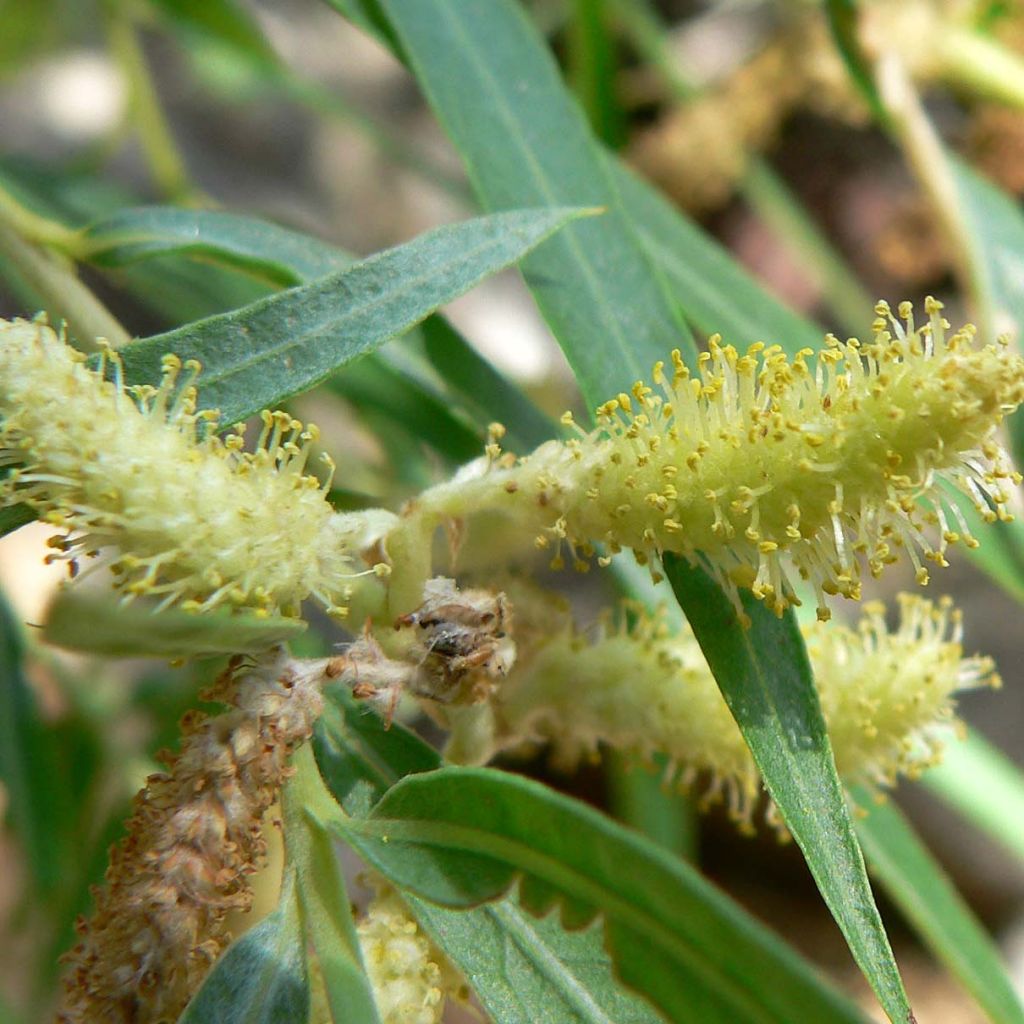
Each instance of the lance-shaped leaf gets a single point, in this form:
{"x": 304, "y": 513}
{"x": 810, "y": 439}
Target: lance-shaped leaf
{"x": 462, "y": 836}
{"x": 326, "y": 911}
{"x": 525, "y": 969}
{"x": 359, "y": 760}
{"x": 765, "y": 677}
{"x": 496, "y": 90}
{"x": 282, "y": 345}
{"x": 100, "y": 624}
{"x": 266, "y": 250}
{"x": 285, "y": 258}
{"x": 981, "y": 783}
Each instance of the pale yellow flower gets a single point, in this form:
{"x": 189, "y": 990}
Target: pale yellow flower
{"x": 643, "y": 689}
{"x": 193, "y": 519}
{"x": 759, "y": 462}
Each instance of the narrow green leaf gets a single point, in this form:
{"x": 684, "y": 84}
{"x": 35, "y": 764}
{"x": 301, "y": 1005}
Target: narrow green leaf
{"x": 178, "y": 291}
{"x": 592, "y": 69}
{"x": 223, "y": 20}
{"x": 423, "y": 413}
{"x": 525, "y": 969}
{"x": 765, "y": 677}
{"x": 920, "y": 888}
{"x": 485, "y": 392}
{"x": 279, "y": 346}
{"x": 367, "y": 14}
{"x": 286, "y": 258}
{"x": 460, "y": 836}
{"x": 985, "y": 786}
{"x": 100, "y": 624}
{"x": 842, "y": 20}
{"x": 37, "y": 809}
{"x": 266, "y": 250}
{"x": 536, "y": 143}
{"x": 496, "y": 89}
{"x": 261, "y": 979}
{"x": 326, "y": 911}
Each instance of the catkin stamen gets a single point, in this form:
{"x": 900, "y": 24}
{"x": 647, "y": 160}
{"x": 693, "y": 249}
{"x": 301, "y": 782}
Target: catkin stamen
{"x": 758, "y": 463}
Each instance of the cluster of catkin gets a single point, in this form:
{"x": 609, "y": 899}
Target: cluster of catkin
{"x": 757, "y": 466}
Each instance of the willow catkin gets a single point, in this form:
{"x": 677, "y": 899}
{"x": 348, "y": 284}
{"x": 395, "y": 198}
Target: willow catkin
{"x": 193, "y": 841}
{"x": 411, "y": 979}
{"x": 643, "y": 689}
{"x": 760, "y": 462}
{"x": 189, "y": 518}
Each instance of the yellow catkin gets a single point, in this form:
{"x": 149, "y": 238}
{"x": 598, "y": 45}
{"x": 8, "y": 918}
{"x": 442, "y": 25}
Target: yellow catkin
{"x": 412, "y": 980}
{"x": 193, "y": 841}
{"x": 643, "y": 689}
{"x": 190, "y": 518}
{"x": 759, "y": 462}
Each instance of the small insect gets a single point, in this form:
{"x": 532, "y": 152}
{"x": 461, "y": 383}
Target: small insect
{"x": 464, "y": 637}
{"x": 460, "y": 649}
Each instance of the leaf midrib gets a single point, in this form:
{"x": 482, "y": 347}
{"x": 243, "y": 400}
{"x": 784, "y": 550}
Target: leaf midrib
{"x": 523, "y": 859}
{"x": 536, "y": 950}
{"x": 233, "y": 368}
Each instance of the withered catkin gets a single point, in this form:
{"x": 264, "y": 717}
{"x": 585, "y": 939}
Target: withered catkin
{"x": 193, "y": 841}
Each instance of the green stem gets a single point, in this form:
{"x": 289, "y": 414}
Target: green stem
{"x": 35, "y": 228}
{"x": 914, "y": 133}
{"x": 62, "y": 294}
{"x": 591, "y": 52}
{"x": 645, "y": 29}
{"x": 979, "y": 65}
{"x": 166, "y": 164}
